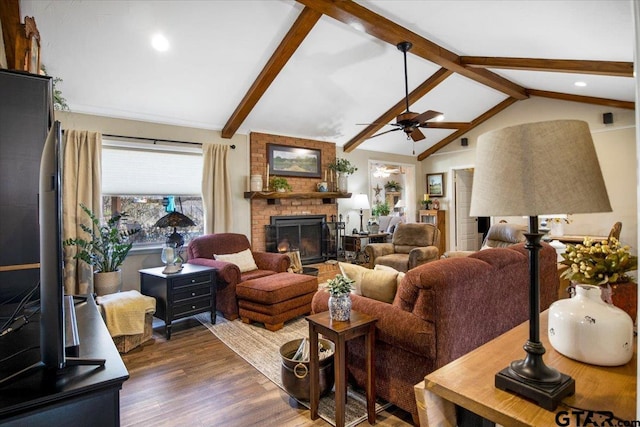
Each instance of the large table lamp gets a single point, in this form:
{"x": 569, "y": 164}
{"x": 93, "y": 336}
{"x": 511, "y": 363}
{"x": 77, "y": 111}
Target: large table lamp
{"x": 361, "y": 201}
{"x": 531, "y": 170}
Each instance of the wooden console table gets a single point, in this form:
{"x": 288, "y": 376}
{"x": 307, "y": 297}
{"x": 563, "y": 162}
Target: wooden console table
{"x": 469, "y": 383}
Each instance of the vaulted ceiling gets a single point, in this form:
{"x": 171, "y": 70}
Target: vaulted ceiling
{"x": 330, "y": 70}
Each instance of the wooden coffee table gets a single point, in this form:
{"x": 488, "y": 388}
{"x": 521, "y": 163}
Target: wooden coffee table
{"x": 340, "y": 332}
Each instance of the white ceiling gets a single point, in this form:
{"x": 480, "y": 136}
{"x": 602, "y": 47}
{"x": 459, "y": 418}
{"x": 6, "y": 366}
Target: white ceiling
{"x": 336, "y": 80}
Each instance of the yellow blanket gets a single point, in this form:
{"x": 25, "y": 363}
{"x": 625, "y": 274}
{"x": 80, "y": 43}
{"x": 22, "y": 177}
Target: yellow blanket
{"x": 124, "y": 312}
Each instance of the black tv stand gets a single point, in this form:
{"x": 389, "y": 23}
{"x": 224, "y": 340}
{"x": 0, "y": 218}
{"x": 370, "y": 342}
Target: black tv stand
{"x": 36, "y": 395}
{"x": 78, "y": 361}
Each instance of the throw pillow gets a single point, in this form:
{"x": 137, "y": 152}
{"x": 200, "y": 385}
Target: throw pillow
{"x": 380, "y": 285}
{"x": 243, "y": 259}
{"x": 387, "y": 268}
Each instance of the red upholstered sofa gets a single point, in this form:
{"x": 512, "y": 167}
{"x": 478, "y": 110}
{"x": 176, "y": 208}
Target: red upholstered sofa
{"x": 443, "y": 310}
{"x": 201, "y": 251}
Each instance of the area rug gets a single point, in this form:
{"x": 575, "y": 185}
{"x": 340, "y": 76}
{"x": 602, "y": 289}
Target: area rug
{"x": 261, "y": 348}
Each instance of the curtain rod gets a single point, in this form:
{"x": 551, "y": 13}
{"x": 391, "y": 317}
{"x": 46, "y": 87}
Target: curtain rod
{"x": 154, "y": 140}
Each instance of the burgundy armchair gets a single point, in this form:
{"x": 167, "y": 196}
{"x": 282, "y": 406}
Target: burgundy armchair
{"x": 201, "y": 251}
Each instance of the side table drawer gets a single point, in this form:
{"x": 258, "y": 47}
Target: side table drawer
{"x": 192, "y": 280}
{"x": 191, "y": 307}
{"x": 191, "y": 292}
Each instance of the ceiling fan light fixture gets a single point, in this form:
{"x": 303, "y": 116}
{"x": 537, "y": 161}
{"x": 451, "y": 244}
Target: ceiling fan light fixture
{"x": 439, "y": 118}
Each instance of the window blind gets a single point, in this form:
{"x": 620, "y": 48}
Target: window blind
{"x": 130, "y": 168}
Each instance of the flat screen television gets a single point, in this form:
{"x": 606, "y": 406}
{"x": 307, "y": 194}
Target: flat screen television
{"x": 58, "y": 331}
{"x": 52, "y": 316}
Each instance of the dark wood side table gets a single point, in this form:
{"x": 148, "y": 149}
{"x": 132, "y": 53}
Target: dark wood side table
{"x": 341, "y": 332}
{"x": 185, "y": 293}
{"x": 356, "y": 243}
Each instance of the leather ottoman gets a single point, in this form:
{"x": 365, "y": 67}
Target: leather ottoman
{"x": 275, "y": 299}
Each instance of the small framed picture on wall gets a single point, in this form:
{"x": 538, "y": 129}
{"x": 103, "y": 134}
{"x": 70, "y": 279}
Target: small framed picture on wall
{"x": 435, "y": 184}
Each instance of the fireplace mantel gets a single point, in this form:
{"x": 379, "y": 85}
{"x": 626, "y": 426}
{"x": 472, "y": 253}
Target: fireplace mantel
{"x": 327, "y": 197}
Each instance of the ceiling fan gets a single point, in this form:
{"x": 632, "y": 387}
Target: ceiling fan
{"x": 410, "y": 122}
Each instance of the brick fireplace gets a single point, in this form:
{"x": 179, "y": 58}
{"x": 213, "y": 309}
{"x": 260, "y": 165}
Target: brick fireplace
{"x": 261, "y": 210}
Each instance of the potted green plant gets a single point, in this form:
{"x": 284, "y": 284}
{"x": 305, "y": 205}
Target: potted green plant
{"x": 343, "y": 168}
{"x": 340, "y": 302}
{"x": 105, "y": 248}
{"x": 279, "y": 184}
{"x": 381, "y": 209}
{"x": 392, "y": 186}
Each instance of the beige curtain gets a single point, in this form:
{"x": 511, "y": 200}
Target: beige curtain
{"x": 216, "y": 189}
{"x": 81, "y": 184}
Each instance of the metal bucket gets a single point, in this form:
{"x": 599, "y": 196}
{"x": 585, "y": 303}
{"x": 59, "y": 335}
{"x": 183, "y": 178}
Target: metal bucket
{"x": 295, "y": 373}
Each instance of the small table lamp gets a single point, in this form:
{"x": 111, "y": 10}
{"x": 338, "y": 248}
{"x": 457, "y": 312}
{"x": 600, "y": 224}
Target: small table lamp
{"x": 531, "y": 170}
{"x": 361, "y": 201}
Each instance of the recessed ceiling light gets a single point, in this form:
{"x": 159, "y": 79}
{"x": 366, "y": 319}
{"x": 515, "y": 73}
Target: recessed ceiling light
{"x": 580, "y": 84}
{"x": 160, "y": 43}
{"x": 440, "y": 118}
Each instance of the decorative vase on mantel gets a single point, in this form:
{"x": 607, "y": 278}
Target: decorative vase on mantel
{"x": 587, "y": 329}
{"x": 340, "y": 307}
{"x": 343, "y": 182}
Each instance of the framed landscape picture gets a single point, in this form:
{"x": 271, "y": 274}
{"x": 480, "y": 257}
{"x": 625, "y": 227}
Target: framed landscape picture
{"x": 285, "y": 160}
{"x": 435, "y": 184}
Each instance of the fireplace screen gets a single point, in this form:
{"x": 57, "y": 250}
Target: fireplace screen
{"x": 310, "y": 235}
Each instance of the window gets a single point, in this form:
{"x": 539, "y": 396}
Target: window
{"x": 144, "y": 211}
{"x": 148, "y": 180}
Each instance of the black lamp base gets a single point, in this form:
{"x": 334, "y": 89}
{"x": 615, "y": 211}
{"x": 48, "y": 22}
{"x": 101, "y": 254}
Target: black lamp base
{"x": 545, "y": 395}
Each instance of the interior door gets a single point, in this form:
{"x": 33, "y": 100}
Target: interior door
{"x": 466, "y": 226}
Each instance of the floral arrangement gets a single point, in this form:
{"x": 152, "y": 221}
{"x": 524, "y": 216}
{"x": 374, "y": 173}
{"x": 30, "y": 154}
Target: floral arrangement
{"x": 339, "y": 285}
{"x": 343, "y": 166}
{"x": 559, "y": 220}
{"x": 598, "y": 262}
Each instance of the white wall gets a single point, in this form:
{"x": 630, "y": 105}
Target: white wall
{"x": 615, "y": 145}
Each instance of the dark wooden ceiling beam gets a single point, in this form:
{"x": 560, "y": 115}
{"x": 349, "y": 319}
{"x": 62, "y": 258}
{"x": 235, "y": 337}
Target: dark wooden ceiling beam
{"x": 290, "y": 43}
{"x": 603, "y": 68}
{"x": 474, "y": 123}
{"x": 390, "y": 115}
{"x": 384, "y": 29}
{"x": 629, "y": 105}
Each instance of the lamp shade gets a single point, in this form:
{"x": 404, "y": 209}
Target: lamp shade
{"x": 361, "y": 201}
{"x": 174, "y": 219}
{"x": 400, "y": 204}
{"x": 538, "y": 168}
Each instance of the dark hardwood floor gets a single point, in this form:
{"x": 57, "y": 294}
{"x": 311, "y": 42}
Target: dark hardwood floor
{"x": 195, "y": 380}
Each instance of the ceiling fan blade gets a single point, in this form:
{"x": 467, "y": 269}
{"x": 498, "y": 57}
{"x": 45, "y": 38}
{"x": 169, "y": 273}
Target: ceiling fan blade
{"x": 382, "y": 133}
{"x": 417, "y": 135}
{"x": 427, "y": 115}
{"x": 377, "y": 124}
